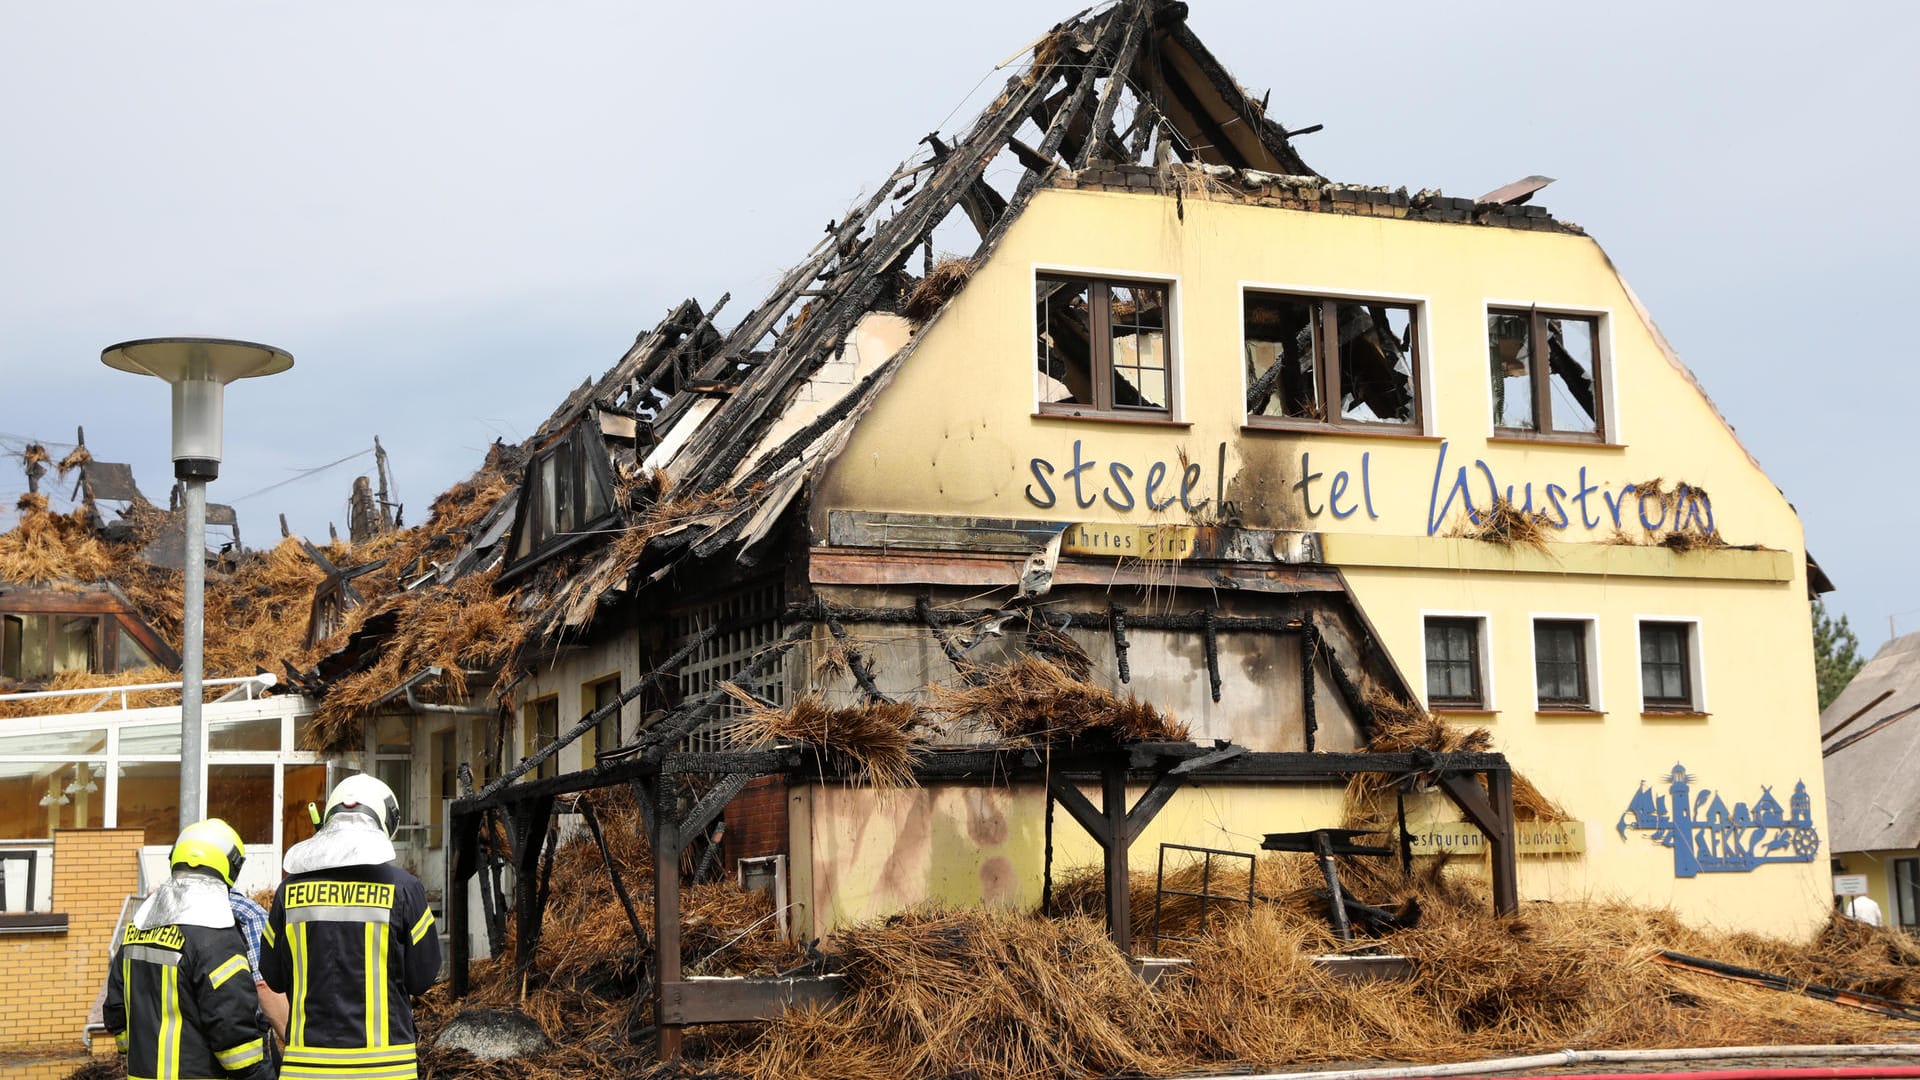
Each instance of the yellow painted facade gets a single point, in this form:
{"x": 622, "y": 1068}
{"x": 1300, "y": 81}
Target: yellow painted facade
{"x": 958, "y": 428}
{"x": 1878, "y": 868}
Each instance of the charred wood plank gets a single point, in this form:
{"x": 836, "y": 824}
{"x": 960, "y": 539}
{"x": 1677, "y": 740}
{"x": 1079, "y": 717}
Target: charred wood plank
{"x": 1134, "y": 20}
{"x": 670, "y": 667}
{"x": 711, "y": 806}
{"x": 613, "y": 872}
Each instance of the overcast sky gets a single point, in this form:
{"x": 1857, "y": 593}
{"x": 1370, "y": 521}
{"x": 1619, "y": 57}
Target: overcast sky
{"x": 452, "y": 213}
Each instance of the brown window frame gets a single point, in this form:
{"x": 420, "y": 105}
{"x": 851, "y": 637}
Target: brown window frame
{"x": 582, "y": 470}
{"x": 1583, "y": 666}
{"x": 1473, "y": 625}
{"x": 594, "y": 741}
{"x": 1688, "y": 701}
{"x": 1540, "y": 376}
{"x": 1326, "y": 365}
{"x": 533, "y": 738}
{"x": 101, "y": 645}
{"x": 1100, "y": 347}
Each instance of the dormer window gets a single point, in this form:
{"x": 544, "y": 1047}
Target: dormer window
{"x": 567, "y": 492}
{"x": 39, "y": 641}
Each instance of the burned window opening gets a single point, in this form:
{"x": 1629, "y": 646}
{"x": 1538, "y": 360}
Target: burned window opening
{"x": 1103, "y": 347}
{"x": 1545, "y": 374}
{"x": 1305, "y": 352}
{"x": 567, "y": 492}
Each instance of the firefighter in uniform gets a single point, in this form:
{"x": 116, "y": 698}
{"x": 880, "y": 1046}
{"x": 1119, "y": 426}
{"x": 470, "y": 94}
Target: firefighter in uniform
{"x": 350, "y": 940}
{"x": 181, "y": 1002}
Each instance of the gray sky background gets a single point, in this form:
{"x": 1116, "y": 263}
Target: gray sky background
{"x": 452, "y": 213}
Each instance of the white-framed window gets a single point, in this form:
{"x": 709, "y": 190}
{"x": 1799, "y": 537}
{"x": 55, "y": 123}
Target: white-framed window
{"x": 1671, "y": 675}
{"x": 1456, "y": 659}
{"x": 1550, "y": 372}
{"x": 1566, "y": 663}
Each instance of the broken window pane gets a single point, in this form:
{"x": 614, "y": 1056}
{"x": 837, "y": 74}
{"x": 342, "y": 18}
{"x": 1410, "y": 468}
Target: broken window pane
{"x": 1138, "y": 321}
{"x": 1065, "y": 348}
{"x": 565, "y": 466}
{"x": 73, "y": 644}
{"x": 1507, "y": 350}
{"x": 23, "y": 654}
{"x": 1376, "y": 363}
{"x": 549, "y": 521}
{"x": 1570, "y": 365}
{"x": 133, "y": 655}
{"x": 1282, "y": 378}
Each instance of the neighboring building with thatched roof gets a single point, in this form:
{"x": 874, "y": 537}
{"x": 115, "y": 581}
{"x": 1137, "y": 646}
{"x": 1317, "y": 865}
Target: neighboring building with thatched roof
{"x": 1191, "y": 444}
{"x": 1870, "y": 737}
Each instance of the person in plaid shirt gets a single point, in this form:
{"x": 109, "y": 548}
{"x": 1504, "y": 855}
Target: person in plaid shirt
{"x": 252, "y": 919}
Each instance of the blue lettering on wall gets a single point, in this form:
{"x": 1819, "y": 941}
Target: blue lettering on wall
{"x": 1474, "y": 487}
{"x": 1079, "y": 467}
{"x": 1121, "y": 474}
{"x": 1707, "y": 838}
{"x": 1045, "y": 500}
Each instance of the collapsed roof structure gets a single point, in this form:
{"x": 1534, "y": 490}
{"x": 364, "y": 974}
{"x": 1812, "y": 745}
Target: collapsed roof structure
{"x": 701, "y": 551}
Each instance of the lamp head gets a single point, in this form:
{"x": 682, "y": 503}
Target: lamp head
{"x": 199, "y": 370}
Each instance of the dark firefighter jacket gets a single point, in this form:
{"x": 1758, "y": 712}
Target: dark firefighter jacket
{"x": 182, "y": 1006}
{"x": 348, "y": 946}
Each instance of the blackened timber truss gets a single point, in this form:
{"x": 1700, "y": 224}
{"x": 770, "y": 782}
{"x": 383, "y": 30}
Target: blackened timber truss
{"x": 1114, "y": 824}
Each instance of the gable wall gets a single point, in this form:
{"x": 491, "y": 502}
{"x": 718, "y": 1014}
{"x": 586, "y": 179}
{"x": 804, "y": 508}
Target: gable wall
{"x": 955, "y": 433}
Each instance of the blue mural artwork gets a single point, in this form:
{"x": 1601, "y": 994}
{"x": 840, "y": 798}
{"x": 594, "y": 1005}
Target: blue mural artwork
{"x": 1708, "y": 838}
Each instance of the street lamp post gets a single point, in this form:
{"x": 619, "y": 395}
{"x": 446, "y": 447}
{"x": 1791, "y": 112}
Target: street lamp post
{"x": 199, "y": 370}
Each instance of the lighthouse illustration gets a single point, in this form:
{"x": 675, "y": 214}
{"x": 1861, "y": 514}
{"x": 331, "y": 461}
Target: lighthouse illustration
{"x": 1707, "y": 837}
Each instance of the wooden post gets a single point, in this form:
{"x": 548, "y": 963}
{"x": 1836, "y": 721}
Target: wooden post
{"x": 1504, "y": 848}
{"x": 526, "y": 880}
{"x": 462, "y": 862}
{"x": 666, "y": 912}
{"x": 1113, "y": 801}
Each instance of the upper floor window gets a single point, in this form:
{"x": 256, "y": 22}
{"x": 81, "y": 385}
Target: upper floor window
{"x": 568, "y": 489}
{"x": 1321, "y": 360}
{"x": 1546, "y": 374}
{"x": 36, "y": 646}
{"x": 1103, "y": 347}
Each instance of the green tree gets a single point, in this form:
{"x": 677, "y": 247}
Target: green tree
{"x": 1836, "y": 654}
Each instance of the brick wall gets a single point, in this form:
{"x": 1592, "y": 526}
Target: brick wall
{"x": 757, "y": 821}
{"x": 52, "y": 978}
{"x": 1221, "y": 183}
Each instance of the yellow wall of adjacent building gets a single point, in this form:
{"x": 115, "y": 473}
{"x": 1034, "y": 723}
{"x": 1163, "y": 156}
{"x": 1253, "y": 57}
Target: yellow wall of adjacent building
{"x": 1877, "y": 868}
{"x": 956, "y": 433}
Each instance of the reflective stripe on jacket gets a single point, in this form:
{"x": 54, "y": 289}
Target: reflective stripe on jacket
{"x": 181, "y": 1004}
{"x": 349, "y": 946}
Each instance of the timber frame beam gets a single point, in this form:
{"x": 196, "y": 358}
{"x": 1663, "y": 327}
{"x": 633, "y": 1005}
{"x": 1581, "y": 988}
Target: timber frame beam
{"x": 1162, "y": 768}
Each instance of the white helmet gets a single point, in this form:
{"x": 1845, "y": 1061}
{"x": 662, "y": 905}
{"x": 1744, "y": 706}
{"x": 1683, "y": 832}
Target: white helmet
{"x": 364, "y": 794}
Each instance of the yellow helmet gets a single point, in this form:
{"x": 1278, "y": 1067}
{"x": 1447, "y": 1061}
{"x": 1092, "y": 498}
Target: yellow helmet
{"x": 210, "y": 845}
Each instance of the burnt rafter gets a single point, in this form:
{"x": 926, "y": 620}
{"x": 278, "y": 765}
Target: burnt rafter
{"x": 1072, "y": 89}
{"x": 693, "y": 415}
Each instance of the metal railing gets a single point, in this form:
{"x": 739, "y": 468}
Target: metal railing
{"x": 244, "y": 688}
